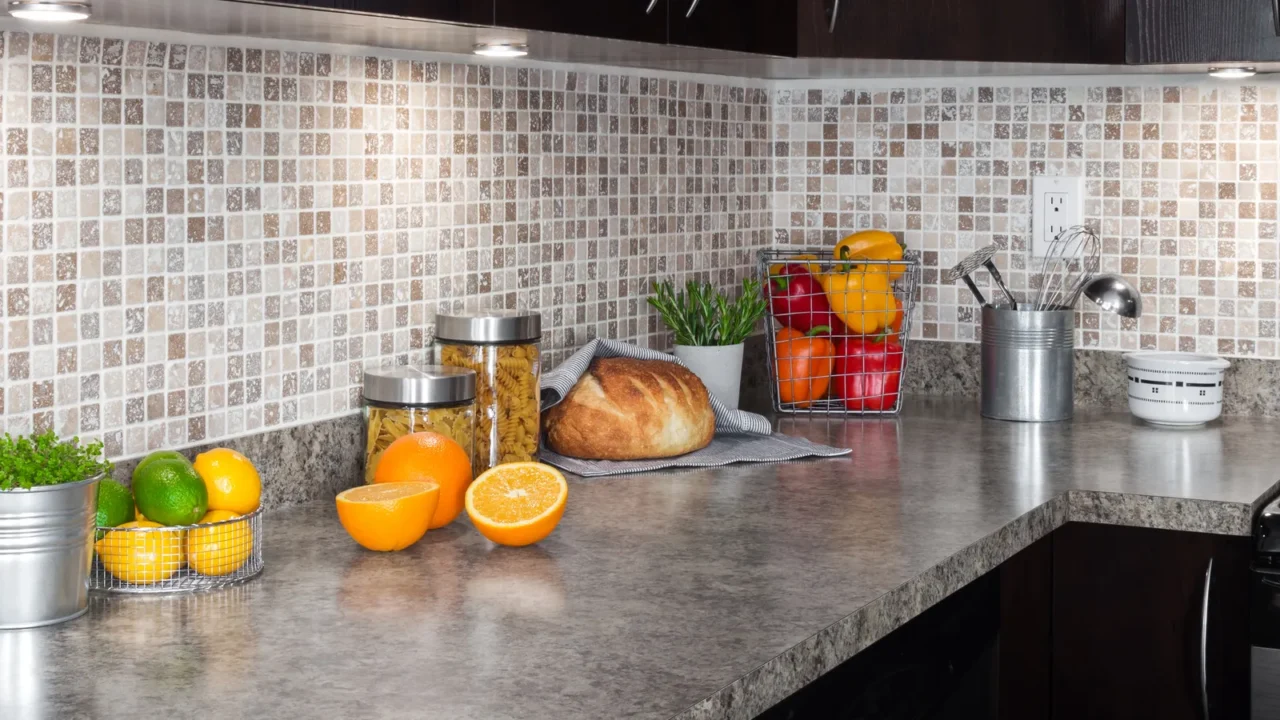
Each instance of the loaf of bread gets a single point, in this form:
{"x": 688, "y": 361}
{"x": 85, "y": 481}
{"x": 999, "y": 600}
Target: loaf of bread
{"x": 627, "y": 409}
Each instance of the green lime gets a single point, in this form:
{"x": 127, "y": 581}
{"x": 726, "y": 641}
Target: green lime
{"x": 170, "y": 492}
{"x": 115, "y": 504}
{"x": 158, "y": 455}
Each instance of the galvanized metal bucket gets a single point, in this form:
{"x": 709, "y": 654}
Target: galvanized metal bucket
{"x": 1028, "y": 364}
{"x": 46, "y": 550}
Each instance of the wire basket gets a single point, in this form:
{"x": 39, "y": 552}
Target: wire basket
{"x": 855, "y": 368}
{"x": 182, "y": 558}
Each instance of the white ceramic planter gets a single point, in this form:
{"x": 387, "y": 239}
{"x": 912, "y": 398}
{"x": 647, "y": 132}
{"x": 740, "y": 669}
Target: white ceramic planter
{"x": 719, "y": 367}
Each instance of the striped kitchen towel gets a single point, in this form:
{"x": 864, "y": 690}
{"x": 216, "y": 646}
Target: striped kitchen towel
{"x": 741, "y": 436}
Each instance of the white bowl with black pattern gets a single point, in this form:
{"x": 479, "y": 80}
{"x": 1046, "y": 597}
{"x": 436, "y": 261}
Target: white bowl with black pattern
{"x": 1175, "y": 388}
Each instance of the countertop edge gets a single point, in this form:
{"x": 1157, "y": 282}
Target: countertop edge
{"x": 1215, "y": 517}
{"x": 817, "y": 654}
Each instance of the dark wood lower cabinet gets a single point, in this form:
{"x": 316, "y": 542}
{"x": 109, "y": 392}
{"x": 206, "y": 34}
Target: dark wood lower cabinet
{"x": 1136, "y": 632}
{"x": 1024, "y": 667}
{"x": 1094, "y": 621}
{"x": 941, "y": 665}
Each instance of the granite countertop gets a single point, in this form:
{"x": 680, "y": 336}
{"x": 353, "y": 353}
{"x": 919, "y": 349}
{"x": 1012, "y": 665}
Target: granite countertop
{"x": 691, "y": 594}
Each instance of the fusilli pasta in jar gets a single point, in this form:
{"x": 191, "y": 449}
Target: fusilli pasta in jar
{"x": 502, "y": 350}
{"x": 405, "y": 399}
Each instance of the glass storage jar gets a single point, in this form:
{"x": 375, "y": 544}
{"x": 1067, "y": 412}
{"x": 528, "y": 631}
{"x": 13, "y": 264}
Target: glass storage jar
{"x": 408, "y": 399}
{"x": 502, "y": 349}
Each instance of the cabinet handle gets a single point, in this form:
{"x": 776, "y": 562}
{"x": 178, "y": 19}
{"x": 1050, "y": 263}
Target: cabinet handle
{"x": 692, "y": 6}
{"x": 1275, "y": 15}
{"x": 652, "y": 5}
{"x": 835, "y": 13}
{"x": 1204, "y": 643}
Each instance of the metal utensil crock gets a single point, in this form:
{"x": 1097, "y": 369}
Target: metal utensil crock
{"x": 1028, "y": 364}
{"x": 46, "y": 550}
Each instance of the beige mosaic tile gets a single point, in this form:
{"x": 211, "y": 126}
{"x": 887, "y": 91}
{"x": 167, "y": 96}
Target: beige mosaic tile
{"x": 1180, "y": 184}
{"x": 203, "y": 240}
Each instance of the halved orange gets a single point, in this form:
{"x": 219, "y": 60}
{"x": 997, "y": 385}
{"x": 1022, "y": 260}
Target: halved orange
{"x": 517, "y": 503}
{"x": 388, "y": 516}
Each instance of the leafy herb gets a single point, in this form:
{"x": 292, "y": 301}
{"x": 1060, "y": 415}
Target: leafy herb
{"x": 702, "y": 316}
{"x": 42, "y": 459}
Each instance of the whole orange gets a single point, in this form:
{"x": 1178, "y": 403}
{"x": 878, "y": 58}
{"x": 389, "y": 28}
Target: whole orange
{"x": 433, "y": 458}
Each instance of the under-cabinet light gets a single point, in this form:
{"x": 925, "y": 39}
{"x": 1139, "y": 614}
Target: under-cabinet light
{"x": 49, "y": 10}
{"x": 1232, "y": 73}
{"x": 501, "y": 50}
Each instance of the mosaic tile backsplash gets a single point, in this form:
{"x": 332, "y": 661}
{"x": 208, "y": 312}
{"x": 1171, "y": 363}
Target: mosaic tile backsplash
{"x": 203, "y": 240}
{"x": 1180, "y": 184}
{"x": 212, "y": 237}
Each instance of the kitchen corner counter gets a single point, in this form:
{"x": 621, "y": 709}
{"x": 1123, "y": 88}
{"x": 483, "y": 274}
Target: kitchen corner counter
{"x": 692, "y": 594}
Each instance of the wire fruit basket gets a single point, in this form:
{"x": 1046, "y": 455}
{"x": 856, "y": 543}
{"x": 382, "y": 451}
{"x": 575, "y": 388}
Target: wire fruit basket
{"x": 181, "y": 558}
{"x": 838, "y": 331}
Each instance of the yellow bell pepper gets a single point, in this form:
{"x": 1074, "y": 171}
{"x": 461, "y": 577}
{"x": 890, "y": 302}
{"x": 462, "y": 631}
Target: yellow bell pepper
{"x": 862, "y": 299}
{"x": 872, "y": 245}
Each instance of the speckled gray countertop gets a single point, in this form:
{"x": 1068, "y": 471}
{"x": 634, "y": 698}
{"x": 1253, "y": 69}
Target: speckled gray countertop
{"x": 691, "y": 594}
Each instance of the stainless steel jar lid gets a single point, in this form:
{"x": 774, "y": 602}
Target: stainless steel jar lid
{"x": 420, "y": 385}
{"x": 497, "y": 326}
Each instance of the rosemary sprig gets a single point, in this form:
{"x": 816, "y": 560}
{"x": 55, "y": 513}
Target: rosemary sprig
{"x": 702, "y": 316}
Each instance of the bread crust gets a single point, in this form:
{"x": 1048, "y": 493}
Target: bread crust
{"x": 629, "y": 409}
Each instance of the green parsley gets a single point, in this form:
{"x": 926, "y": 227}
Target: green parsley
{"x": 42, "y": 459}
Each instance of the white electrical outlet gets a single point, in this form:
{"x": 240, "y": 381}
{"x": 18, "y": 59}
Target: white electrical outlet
{"x": 1055, "y": 206}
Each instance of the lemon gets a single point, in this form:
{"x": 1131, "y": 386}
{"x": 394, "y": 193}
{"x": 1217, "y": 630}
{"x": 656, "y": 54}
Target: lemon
{"x": 230, "y": 479}
{"x": 141, "y": 558}
{"x": 219, "y": 549}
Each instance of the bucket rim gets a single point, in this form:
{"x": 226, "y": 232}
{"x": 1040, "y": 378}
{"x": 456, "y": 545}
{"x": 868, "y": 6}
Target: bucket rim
{"x": 54, "y": 488}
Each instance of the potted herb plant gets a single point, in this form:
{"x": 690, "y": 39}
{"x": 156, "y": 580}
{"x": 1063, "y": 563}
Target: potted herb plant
{"x": 48, "y": 501}
{"x": 710, "y": 330}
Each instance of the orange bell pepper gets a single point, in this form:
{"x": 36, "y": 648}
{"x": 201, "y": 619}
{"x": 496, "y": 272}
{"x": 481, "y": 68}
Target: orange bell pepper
{"x": 804, "y": 364}
{"x": 895, "y": 325}
{"x": 872, "y": 245}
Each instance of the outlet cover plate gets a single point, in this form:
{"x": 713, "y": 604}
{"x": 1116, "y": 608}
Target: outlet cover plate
{"x": 1056, "y": 204}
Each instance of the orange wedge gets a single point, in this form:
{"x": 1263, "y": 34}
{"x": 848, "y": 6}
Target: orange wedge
{"x": 388, "y": 516}
{"x": 517, "y": 503}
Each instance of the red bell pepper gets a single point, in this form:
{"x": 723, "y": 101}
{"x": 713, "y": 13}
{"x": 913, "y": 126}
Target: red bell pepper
{"x": 798, "y": 301}
{"x": 867, "y": 372}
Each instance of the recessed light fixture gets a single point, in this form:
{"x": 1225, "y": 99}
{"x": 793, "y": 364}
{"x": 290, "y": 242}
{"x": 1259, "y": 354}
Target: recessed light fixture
{"x": 49, "y": 10}
{"x": 501, "y": 49}
{"x": 1232, "y": 73}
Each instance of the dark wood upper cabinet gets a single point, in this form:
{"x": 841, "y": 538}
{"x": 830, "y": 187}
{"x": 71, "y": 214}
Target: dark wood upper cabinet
{"x": 1042, "y": 31}
{"x": 767, "y": 27}
{"x": 1202, "y": 31}
{"x": 642, "y": 20}
{"x": 1103, "y": 32}
{"x": 459, "y": 11}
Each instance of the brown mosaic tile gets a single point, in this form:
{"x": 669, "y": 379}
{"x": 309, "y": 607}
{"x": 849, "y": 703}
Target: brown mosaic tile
{"x": 234, "y": 266}
{"x": 1178, "y": 201}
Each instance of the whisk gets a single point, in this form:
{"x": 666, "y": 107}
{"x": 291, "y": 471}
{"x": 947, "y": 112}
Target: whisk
{"x": 1073, "y": 259}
